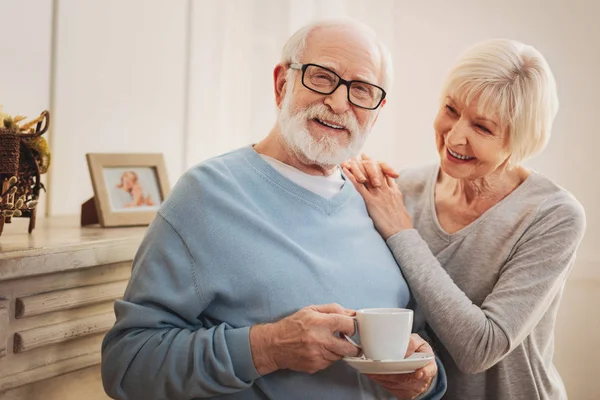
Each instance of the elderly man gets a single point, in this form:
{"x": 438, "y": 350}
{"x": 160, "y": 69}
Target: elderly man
{"x": 237, "y": 289}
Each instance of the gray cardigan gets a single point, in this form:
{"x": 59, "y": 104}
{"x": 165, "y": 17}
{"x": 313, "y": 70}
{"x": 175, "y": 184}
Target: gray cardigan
{"x": 490, "y": 292}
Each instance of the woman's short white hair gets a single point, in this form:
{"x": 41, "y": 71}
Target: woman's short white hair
{"x": 514, "y": 84}
{"x": 296, "y": 44}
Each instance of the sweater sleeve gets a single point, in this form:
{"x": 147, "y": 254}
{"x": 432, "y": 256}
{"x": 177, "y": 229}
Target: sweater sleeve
{"x": 479, "y": 337}
{"x": 158, "y": 348}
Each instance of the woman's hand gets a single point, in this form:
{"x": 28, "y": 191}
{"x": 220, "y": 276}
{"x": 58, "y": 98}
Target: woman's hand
{"x": 409, "y": 386}
{"x": 384, "y": 202}
{"x": 367, "y": 170}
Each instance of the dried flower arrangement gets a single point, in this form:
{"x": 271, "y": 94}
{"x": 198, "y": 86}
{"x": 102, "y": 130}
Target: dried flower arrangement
{"x": 24, "y": 156}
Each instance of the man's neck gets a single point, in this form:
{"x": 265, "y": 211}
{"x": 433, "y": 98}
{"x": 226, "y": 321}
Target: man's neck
{"x": 275, "y": 147}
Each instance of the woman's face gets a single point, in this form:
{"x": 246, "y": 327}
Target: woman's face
{"x": 471, "y": 146}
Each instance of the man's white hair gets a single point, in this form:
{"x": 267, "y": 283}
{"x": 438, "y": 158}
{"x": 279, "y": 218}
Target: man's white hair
{"x": 296, "y": 44}
{"x": 514, "y": 84}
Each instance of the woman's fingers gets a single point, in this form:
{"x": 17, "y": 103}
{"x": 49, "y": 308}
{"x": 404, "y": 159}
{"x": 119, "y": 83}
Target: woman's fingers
{"x": 361, "y": 188}
{"x": 387, "y": 170}
{"x": 376, "y": 170}
{"x": 391, "y": 182}
{"x": 358, "y": 170}
{"x": 373, "y": 172}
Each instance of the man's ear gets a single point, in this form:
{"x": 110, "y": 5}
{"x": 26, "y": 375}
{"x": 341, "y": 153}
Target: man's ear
{"x": 279, "y": 81}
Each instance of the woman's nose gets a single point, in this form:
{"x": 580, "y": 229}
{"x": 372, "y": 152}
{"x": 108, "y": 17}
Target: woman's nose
{"x": 457, "y": 135}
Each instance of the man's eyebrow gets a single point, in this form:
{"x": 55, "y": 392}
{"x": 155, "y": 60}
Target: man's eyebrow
{"x": 360, "y": 77}
{"x": 365, "y": 78}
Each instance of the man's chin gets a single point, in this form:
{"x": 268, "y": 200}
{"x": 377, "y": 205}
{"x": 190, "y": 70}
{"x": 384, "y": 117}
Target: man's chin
{"x": 328, "y": 159}
{"x": 318, "y": 148}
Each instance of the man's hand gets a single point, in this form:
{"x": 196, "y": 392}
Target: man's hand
{"x": 409, "y": 386}
{"x": 305, "y": 341}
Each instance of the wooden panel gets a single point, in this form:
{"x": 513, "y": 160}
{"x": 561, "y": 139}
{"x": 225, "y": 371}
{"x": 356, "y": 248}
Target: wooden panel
{"x": 48, "y": 371}
{"x": 3, "y": 327}
{"x": 57, "y": 288}
{"x": 68, "y": 299}
{"x": 60, "y": 244}
{"x": 66, "y": 280}
{"x": 88, "y": 256}
{"x": 13, "y": 364}
{"x": 58, "y": 317}
{"x": 85, "y": 384}
{"x": 62, "y": 332}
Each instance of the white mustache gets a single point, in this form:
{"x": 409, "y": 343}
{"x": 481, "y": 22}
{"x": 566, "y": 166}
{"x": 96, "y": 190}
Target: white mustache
{"x": 322, "y": 112}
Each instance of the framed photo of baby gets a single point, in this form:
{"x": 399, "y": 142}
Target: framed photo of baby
{"x": 128, "y": 189}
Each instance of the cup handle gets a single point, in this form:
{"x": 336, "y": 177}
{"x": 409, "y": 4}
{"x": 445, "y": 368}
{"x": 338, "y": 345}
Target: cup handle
{"x": 351, "y": 340}
{"x": 348, "y": 338}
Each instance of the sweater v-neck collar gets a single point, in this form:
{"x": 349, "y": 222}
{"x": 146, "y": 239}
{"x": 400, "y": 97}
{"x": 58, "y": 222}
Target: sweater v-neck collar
{"x": 328, "y": 206}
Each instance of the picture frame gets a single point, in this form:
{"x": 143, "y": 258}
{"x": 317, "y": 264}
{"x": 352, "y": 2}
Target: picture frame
{"x": 128, "y": 188}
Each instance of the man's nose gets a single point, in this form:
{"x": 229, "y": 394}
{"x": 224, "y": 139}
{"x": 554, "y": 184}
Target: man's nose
{"x": 338, "y": 100}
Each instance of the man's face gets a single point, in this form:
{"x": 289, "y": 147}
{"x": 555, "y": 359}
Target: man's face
{"x": 328, "y": 129}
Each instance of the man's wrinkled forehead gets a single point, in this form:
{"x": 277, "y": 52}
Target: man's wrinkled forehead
{"x": 349, "y": 52}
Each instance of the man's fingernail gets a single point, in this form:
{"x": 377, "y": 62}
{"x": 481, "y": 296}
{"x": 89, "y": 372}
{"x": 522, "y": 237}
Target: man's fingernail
{"x": 376, "y": 181}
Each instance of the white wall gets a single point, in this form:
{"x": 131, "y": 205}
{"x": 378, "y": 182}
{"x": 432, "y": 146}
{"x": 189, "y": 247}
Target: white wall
{"x": 193, "y": 79}
{"x": 25, "y": 56}
{"x": 119, "y": 87}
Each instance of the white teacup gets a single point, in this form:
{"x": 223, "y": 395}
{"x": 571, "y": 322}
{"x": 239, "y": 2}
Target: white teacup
{"x": 384, "y": 332}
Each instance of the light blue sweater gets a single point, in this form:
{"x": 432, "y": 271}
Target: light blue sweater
{"x": 237, "y": 244}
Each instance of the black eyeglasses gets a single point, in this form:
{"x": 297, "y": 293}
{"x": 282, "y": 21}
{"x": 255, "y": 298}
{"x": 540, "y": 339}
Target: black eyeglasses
{"x": 324, "y": 81}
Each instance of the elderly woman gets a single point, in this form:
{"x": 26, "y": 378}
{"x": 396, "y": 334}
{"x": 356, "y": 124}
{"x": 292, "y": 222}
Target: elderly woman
{"x": 484, "y": 243}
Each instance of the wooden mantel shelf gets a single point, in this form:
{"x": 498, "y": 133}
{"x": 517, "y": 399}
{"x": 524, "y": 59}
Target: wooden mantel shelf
{"x": 60, "y": 244}
{"x": 57, "y": 289}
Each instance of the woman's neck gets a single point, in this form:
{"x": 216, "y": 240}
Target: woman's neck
{"x": 485, "y": 191}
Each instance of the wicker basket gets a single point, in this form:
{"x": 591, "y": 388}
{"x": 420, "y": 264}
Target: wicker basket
{"x": 18, "y": 160}
{"x": 9, "y": 153}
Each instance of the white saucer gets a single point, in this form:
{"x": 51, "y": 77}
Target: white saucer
{"x": 405, "y": 366}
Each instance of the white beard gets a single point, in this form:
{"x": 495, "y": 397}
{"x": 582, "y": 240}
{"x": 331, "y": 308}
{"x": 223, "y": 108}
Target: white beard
{"x": 326, "y": 151}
